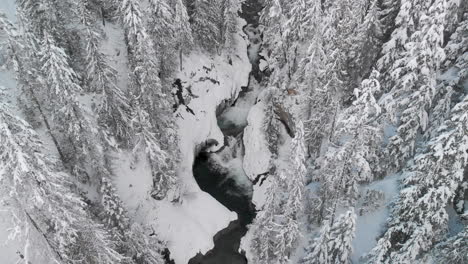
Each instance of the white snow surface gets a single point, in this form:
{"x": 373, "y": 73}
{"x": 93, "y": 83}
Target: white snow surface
{"x": 370, "y": 225}
{"x": 14, "y": 248}
{"x": 8, "y": 7}
{"x": 239, "y": 113}
{"x": 260, "y": 194}
{"x": 115, "y": 49}
{"x": 188, "y": 227}
{"x": 257, "y": 155}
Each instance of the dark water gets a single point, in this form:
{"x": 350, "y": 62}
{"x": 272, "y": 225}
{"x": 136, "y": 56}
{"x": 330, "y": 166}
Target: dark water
{"x": 225, "y": 190}
{"x": 251, "y": 11}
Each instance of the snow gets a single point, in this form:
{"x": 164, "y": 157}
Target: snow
{"x": 238, "y": 113}
{"x": 263, "y": 65}
{"x": 8, "y": 7}
{"x": 255, "y": 39}
{"x": 187, "y": 227}
{"x": 245, "y": 245}
{"x": 455, "y": 222}
{"x": 257, "y": 155}
{"x": 8, "y": 248}
{"x": 115, "y": 49}
{"x": 13, "y": 244}
{"x": 259, "y": 159}
{"x": 196, "y": 129}
{"x": 370, "y": 225}
{"x": 230, "y": 161}
{"x": 10, "y": 245}
{"x": 236, "y": 172}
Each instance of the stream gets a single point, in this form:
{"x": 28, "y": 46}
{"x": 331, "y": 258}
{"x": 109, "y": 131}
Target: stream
{"x": 221, "y": 174}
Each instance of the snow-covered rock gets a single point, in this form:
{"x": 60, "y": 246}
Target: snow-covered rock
{"x": 257, "y": 155}
{"x": 189, "y": 227}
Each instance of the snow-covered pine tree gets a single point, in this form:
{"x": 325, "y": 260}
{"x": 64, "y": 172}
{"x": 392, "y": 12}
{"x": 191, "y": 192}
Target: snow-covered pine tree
{"x": 54, "y": 81}
{"x": 317, "y": 252}
{"x": 453, "y": 250}
{"x": 366, "y": 42}
{"x": 295, "y": 188}
{"x": 145, "y": 247}
{"x": 43, "y": 198}
{"x": 131, "y": 239}
{"x": 264, "y": 228}
{"x": 338, "y": 182}
{"x": 361, "y": 122}
{"x": 355, "y": 160}
{"x": 205, "y": 21}
{"x": 162, "y": 165}
{"x": 147, "y": 87}
{"x": 114, "y": 109}
{"x": 365, "y": 106}
{"x": 113, "y": 212}
{"x": 271, "y": 124}
{"x": 183, "y": 38}
{"x": 155, "y": 132}
{"x": 61, "y": 88}
{"x": 298, "y": 21}
{"x": 54, "y": 62}
{"x": 310, "y": 76}
{"x": 404, "y": 26}
{"x": 57, "y": 18}
{"x": 389, "y": 11}
{"x": 23, "y": 62}
{"x": 341, "y": 237}
{"x": 295, "y": 183}
{"x": 229, "y": 29}
{"x": 312, "y": 63}
{"x": 455, "y": 12}
{"x": 419, "y": 218}
{"x": 457, "y": 61}
{"x": 333, "y": 245}
{"x": 274, "y": 17}
{"x": 77, "y": 129}
{"x": 414, "y": 76}
{"x": 343, "y": 17}
{"x": 46, "y": 15}
{"x": 326, "y": 99}
{"x": 161, "y": 27}
{"x": 276, "y": 228}
{"x": 456, "y": 51}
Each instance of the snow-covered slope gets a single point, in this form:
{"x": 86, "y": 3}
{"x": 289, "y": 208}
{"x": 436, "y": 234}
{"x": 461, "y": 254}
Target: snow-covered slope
{"x": 257, "y": 155}
{"x": 189, "y": 227}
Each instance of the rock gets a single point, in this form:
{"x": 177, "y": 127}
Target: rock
{"x": 286, "y": 119}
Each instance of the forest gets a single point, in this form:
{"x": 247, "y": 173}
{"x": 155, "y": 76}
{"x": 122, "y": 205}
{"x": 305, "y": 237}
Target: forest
{"x": 233, "y": 131}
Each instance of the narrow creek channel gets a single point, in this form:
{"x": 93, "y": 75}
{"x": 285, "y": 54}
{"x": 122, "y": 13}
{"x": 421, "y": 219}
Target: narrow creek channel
{"x": 217, "y": 182}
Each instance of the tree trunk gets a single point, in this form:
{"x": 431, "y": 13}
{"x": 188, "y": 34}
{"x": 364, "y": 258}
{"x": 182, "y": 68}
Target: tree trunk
{"x": 180, "y": 58}
{"x": 47, "y": 124}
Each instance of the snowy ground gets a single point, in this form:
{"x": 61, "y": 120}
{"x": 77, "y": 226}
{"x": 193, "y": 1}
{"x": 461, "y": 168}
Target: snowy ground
{"x": 370, "y": 225}
{"x": 257, "y": 155}
{"x": 8, "y": 247}
{"x": 189, "y": 227}
{"x": 11, "y": 246}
